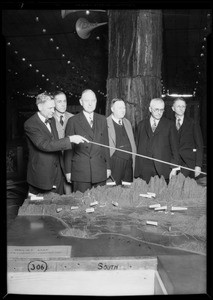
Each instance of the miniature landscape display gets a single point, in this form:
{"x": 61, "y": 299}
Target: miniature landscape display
{"x": 174, "y": 213}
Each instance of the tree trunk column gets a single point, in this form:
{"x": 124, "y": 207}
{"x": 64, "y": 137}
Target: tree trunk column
{"x": 134, "y": 64}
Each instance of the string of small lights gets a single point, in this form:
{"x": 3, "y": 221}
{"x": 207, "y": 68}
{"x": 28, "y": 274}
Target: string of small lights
{"x": 80, "y": 77}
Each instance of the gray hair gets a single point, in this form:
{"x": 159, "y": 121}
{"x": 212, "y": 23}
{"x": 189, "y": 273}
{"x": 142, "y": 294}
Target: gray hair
{"x": 43, "y": 97}
{"x": 87, "y": 90}
{"x": 179, "y": 98}
{"x": 156, "y": 100}
{"x": 115, "y": 100}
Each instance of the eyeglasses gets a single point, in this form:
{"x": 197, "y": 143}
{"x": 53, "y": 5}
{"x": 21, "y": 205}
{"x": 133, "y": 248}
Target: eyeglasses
{"x": 157, "y": 110}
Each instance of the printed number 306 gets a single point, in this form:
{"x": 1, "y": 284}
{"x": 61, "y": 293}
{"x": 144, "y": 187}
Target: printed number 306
{"x": 37, "y": 266}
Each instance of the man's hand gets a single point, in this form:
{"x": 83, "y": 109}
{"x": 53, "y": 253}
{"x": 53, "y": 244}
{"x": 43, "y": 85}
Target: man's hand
{"x": 197, "y": 171}
{"x": 77, "y": 139}
{"x": 108, "y": 173}
{"x": 68, "y": 177}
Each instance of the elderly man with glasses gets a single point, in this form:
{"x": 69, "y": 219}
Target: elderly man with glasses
{"x": 156, "y": 138}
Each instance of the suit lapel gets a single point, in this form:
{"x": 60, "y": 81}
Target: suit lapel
{"x": 111, "y": 130}
{"x": 158, "y": 128}
{"x": 148, "y": 127}
{"x": 53, "y": 129}
{"x": 184, "y": 128}
{"x": 85, "y": 125}
{"x": 43, "y": 126}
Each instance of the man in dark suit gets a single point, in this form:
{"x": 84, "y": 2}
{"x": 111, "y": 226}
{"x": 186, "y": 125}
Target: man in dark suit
{"x": 88, "y": 165}
{"x": 45, "y": 165}
{"x": 156, "y": 137}
{"x": 190, "y": 140}
{"x": 121, "y": 137}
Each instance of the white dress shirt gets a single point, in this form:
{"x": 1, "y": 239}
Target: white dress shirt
{"x": 58, "y": 116}
{"x": 43, "y": 119}
{"x": 181, "y": 120}
{"x": 88, "y": 116}
{"x": 118, "y": 121}
{"x": 152, "y": 121}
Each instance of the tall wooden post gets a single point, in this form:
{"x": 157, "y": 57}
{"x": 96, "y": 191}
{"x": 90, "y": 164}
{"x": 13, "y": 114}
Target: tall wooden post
{"x": 134, "y": 63}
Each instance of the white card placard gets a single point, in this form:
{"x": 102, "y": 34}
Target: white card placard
{"x": 39, "y": 252}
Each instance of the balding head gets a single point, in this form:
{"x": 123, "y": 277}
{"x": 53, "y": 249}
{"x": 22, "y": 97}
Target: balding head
{"x": 87, "y": 93}
{"x": 155, "y": 101}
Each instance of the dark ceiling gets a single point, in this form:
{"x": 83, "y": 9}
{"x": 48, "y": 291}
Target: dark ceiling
{"x": 44, "y": 52}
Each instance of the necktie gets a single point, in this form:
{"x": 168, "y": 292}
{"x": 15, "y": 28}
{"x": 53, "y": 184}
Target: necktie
{"x": 119, "y": 122}
{"x": 61, "y": 120}
{"x": 90, "y": 121}
{"x": 154, "y": 125}
{"x": 178, "y": 125}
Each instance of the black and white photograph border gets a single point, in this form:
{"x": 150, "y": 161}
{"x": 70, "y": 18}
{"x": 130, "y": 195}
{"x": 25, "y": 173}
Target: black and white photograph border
{"x": 138, "y": 238}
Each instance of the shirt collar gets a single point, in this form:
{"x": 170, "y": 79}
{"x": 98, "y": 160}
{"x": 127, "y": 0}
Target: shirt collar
{"x": 117, "y": 120}
{"x": 42, "y": 118}
{"x": 87, "y": 115}
{"x": 152, "y": 120}
{"x": 58, "y": 115}
{"x": 180, "y": 117}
